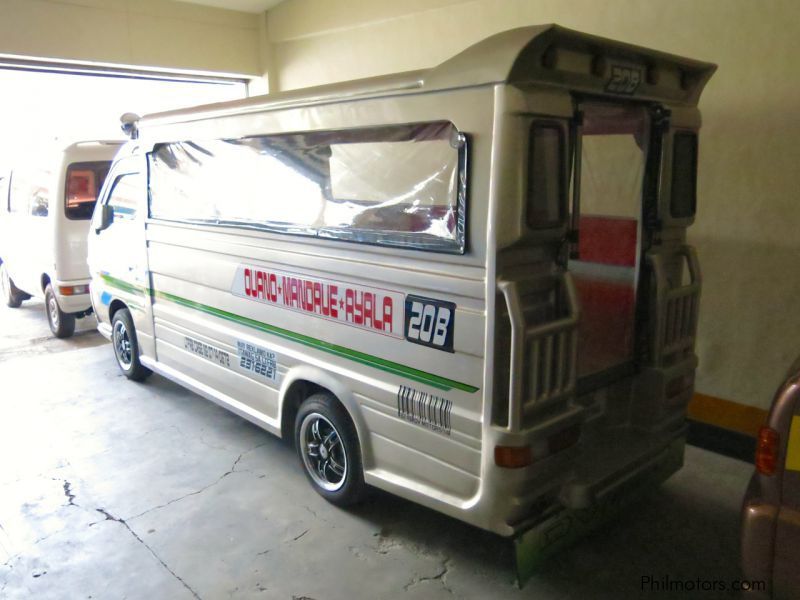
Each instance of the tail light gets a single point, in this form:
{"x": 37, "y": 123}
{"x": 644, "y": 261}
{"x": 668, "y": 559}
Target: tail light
{"x": 513, "y": 457}
{"x": 767, "y": 451}
{"x": 73, "y": 290}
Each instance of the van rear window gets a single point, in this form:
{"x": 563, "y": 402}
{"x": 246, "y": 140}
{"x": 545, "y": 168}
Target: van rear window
{"x": 394, "y": 185}
{"x": 83, "y": 183}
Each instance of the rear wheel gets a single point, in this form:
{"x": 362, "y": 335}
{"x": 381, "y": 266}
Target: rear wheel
{"x": 126, "y": 346}
{"x": 329, "y": 451}
{"x": 11, "y": 295}
{"x": 61, "y": 324}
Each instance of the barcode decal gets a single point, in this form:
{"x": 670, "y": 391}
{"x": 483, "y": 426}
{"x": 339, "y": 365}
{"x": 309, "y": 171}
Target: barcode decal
{"x": 424, "y": 409}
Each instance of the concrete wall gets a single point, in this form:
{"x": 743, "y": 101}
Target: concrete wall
{"x": 746, "y": 230}
{"x": 140, "y": 33}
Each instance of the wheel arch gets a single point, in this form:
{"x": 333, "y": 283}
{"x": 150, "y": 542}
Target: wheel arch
{"x": 115, "y": 306}
{"x": 302, "y": 382}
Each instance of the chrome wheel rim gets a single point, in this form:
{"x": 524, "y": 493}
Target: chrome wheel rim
{"x": 52, "y": 311}
{"x": 122, "y": 345}
{"x": 323, "y": 452}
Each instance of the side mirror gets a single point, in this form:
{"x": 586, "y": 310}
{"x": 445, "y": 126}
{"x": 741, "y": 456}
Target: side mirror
{"x": 106, "y": 217}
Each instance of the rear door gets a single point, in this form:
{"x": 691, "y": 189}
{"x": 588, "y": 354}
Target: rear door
{"x": 612, "y": 162}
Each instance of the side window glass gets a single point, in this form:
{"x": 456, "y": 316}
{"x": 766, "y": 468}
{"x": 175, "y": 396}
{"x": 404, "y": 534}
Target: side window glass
{"x": 4, "y": 193}
{"x": 125, "y": 196}
{"x": 18, "y": 198}
{"x": 39, "y": 194}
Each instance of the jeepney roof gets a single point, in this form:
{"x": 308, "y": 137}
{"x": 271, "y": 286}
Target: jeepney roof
{"x": 548, "y": 55}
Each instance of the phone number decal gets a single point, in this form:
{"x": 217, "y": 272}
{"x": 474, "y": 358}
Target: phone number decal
{"x": 258, "y": 360}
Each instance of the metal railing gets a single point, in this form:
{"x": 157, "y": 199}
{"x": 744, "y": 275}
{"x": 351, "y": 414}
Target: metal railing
{"x": 543, "y": 364}
{"x": 677, "y": 308}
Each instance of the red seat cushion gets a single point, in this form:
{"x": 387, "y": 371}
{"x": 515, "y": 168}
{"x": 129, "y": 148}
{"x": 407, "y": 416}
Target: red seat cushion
{"x": 608, "y": 240}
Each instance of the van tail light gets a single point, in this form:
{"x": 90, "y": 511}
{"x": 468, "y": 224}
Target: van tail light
{"x": 513, "y": 457}
{"x": 767, "y": 451}
{"x": 73, "y": 290}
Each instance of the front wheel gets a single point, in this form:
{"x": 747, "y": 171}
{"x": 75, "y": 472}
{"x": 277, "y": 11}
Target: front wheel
{"x": 329, "y": 451}
{"x": 11, "y": 295}
{"x": 61, "y": 324}
{"x": 126, "y": 346}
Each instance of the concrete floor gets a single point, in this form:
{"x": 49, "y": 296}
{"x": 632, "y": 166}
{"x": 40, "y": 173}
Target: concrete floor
{"x": 111, "y": 489}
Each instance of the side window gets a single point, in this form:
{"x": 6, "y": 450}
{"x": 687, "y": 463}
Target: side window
{"x": 30, "y": 193}
{"x": 683, "y": 199}
{"x": 394, "y": 185}
{"x": 18, "y": 196}
{"x": 4, "y": 193}
{"x": 546, "y": 189}
{"x": 125, "y": 196}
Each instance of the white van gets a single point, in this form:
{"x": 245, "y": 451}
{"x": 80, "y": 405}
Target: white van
{"x": 45, "y": 208}
{"x": 397, "y": 274}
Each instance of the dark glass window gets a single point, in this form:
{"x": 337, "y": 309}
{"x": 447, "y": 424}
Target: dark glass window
{"x": 400, "y": 185}
{"x": 125, "y": 196}
{"x": 83, "y": 183}
{"x": 683, "y": 200}
{"x": 546, "y": 190}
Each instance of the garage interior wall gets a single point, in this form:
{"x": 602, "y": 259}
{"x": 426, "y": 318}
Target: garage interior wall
{"x": 748, "y": 213}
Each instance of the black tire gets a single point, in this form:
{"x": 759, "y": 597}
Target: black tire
{"x": 346, "y": 485}
{"x": 126, "y": 346}
{"x": 12, "y": 296}
{"x": 61, "y": 324}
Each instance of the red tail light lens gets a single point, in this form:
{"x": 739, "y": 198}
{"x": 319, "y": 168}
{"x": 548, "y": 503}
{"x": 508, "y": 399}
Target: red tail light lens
{"x": 513, "y": 457}
{"x": 767, "y": 451}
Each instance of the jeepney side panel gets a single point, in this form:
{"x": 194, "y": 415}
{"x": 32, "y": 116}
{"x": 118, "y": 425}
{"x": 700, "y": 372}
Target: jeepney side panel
{"x": 201, "y": 326}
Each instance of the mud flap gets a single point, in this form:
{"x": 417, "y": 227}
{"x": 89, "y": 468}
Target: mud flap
{"x": 563, "y": 527}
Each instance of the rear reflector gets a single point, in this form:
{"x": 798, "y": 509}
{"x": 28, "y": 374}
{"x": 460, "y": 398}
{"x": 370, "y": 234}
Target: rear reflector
{"x": 767, "y": 451}
{"x": 512, "y": 457}
{"x": 73, "y": 290}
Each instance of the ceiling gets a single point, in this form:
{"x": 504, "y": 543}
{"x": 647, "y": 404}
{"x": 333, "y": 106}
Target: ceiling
{"x": 251, "y": 6}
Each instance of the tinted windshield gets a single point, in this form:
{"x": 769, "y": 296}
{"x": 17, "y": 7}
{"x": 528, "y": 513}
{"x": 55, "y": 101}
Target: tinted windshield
{"x": 83, "y": 183}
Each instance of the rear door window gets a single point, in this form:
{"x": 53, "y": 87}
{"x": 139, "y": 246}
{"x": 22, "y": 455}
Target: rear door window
{"x": 83, "y": 183}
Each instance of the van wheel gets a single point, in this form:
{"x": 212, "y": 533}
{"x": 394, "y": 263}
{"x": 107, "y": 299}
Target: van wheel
{"x": 329, "y": 451}
{"x": 61, "y": 324}
{"x": 11, "y": 295}
{"x": 126, "y": 347}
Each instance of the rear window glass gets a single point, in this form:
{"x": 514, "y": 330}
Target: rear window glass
{"x": 83, "y": 183}
{"x": 546, "y": 192}
{"x": 399, "y": 185}
{"x": 683, "y": 201}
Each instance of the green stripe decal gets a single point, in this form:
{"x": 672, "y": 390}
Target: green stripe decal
{"x": 442, "y": 383}
{"x": 123, "y": 285}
